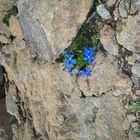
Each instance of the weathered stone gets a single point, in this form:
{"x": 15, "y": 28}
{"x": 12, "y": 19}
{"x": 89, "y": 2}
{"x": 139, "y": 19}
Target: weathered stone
{"x": 4, "y": 40}
{"x": 126, "y": 124}
{"x": 11, "y": 102}
{"x": 136, "y": 81}
{"x": 5, "y": 30}
{"x": 136, "y": 69}
{"x": 136, "y": 57}
{"x": 130, "y": 60}
{"x": 129, "y": 36}
{"x": 15, "y": 27}
{"x": 110, "y": 3}
{"x": 131, "y": 118}
{"x": 107, "y": 38}
{"x": 122, "y": 85}
{"x": 103, "y": 12}
{"x": 135, "y": 125}
{"x": 134, "y": 6}
{"x": 4, "y": 6}
{"x": 99, "y": 82}
{"x": 50, "y": 26}
{"x": 49, "y": 102}
{"x": 103, "y": 119}
{"x": 138, "y": 92}
{"x": 122, "y": 9}
{"x": 54, "y": 102}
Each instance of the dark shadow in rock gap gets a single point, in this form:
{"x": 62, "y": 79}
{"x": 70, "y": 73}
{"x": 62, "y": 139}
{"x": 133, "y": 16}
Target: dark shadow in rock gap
{"x": 5, "y": 118}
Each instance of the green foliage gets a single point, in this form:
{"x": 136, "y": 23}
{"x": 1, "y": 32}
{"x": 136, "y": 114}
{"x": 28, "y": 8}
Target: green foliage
{"x": 80, "y": 62}
{"x": 96, "y": 2}
{"x": 77, "y": 48}
{"x": 95, "y": 39}
{"x": 137, "y": 131}
{"x": 135, "y": 107}
{"x": 79, "y": 43}
{"x": 13, "y": 11}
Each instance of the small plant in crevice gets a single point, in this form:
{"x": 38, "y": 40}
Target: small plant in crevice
{"x": 79, "y": 56}
{"x": 135, "y": 107}
{"x": 11, "y": 12}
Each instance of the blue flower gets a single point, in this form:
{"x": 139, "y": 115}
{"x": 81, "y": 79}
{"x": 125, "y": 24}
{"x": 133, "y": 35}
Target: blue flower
{"x": 70, "y": 73}
{"x": 81, "y": 73}
{"x": 88, "y": 72}
{"x": 89, "y": 59}
{"x": 89, "y": 52}
{"x": 70, "y": 58}
{"x": 68, "y": 65}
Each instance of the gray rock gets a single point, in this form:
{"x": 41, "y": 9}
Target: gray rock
{"x": 2, "y": 80}
{"x": 136, "y": 81}
{"x": 50, "y": 26}
{"x": 108, "y": 39}
{"x": 4, "y": 40}
{"x": 131, "y": 118}
{"x": 138, "y": 92}
{"x": 122, "y": 9}
{"x": 110, "y": 3}
{"x": 136, "y": 69}
{"x": 135, "y": 6}
{"x": 126, "y": 124}
{"x": 128, "y": 36}
{"x": 103, "y": 12}
{"x": 136, "y": 57}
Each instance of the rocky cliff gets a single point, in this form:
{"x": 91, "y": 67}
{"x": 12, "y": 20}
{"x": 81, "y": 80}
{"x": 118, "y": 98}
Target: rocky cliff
{"x": 49, "y": 104}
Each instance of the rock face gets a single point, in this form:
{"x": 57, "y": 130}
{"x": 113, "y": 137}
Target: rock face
{"x": 47, "y": 103}
{"x": 129, "y": 36}
{"x": 108, "y": 39}
{"x": 103, "y": 12}
{"x": 51, "y": 25}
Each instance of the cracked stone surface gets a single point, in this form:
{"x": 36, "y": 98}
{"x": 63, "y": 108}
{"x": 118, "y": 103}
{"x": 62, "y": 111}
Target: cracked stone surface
{"x": 47, "y": 103}
{"x": 108, "y": 39}
{"x": 53, "y": 24}
{"x": 129, "y": 36}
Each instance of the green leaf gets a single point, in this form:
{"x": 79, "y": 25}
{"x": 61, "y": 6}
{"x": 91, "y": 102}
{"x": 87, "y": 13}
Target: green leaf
{"x": 95, "y": 39}
{"x": 135, "y": 107}
{"x": 13, "y": 11}
{"x": 80, "y": 62}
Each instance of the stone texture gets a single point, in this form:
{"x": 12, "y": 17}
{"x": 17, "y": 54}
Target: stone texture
{"x": 131, "y": 118}
{"x": 51, "y": 25}
{"x": 48, "y": 99}
{"x": 4, "y": 6}
{"x": 100, "y": 82}
{"x": 135, "y": 6}
{"x": 103, "y": 12}
{"x": 15, "y": 27}
{"x": 4, "y": 40}
{"x": 138, "y": 92}
{"x": 110, "y": 3}
{"x": 47, "y": 102}
{"x": 136, "y": 69}
{"x": 122, "y": 9}
{"x": 126, "y": 124}
{"x": 107, "y": 38}
{"x": 4, "y": 30}
{"x": 129, "y": 36}
{"x": 122, "y": 85}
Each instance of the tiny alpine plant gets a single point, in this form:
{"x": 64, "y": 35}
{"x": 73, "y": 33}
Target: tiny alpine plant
{"x": 78, "y": 63}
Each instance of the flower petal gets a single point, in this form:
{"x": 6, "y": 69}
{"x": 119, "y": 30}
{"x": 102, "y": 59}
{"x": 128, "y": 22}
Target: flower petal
{"x": 85, "y": 58}
{"x": 73, "y": 61}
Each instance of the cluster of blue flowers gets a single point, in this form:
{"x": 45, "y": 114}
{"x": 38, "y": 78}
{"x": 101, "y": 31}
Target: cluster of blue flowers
{"x": 70, "y": 63}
